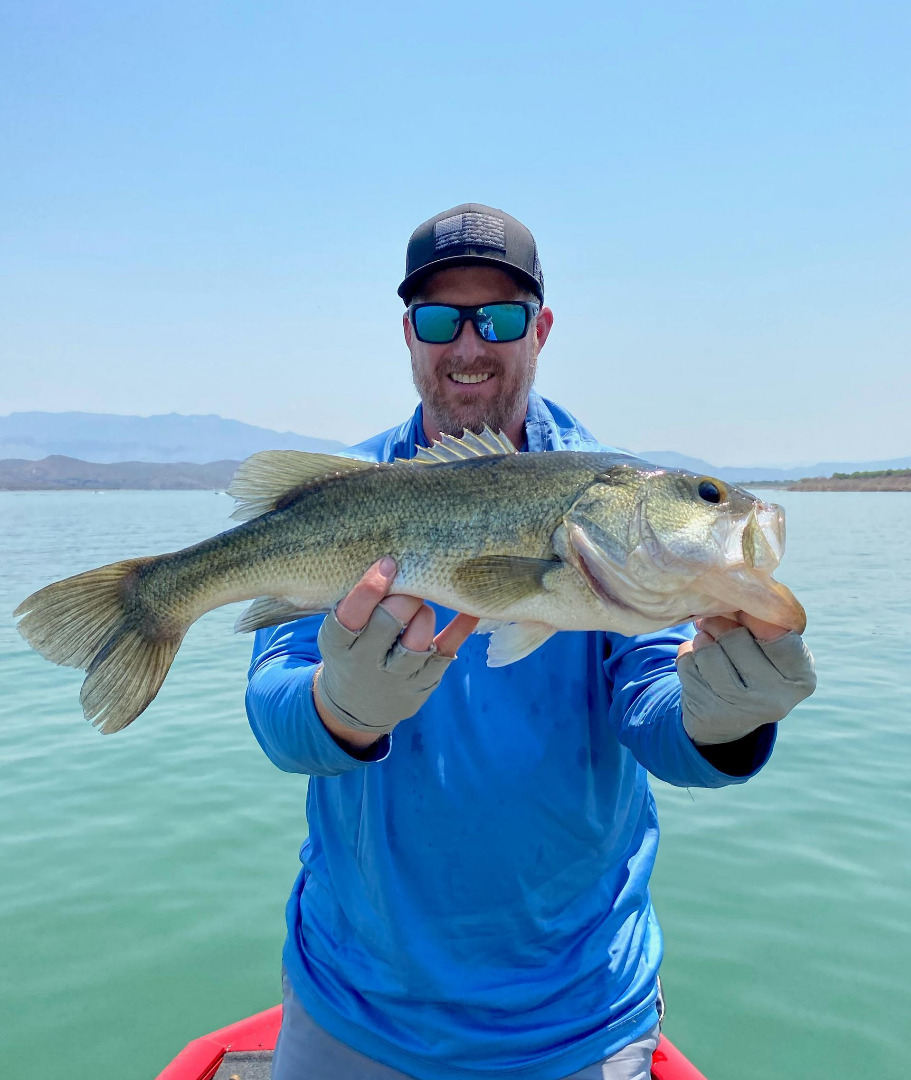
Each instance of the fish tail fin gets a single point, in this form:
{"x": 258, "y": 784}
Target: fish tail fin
{"x": 96, "y": 621}
{"x": 124, "y": 678}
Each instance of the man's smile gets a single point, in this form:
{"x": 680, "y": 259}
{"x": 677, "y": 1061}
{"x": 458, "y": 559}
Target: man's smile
{"x": 464, "y": 379}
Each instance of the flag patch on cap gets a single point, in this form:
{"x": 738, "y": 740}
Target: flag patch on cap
{"x": 470, "y": 230}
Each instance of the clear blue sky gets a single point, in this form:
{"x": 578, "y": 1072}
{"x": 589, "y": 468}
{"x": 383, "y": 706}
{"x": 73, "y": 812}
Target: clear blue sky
{"x": 204, "y": 208}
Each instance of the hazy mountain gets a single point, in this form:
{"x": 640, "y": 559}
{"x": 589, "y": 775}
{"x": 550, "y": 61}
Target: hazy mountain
{"x": 747, "y": 473}
{"x": 104, "y": 437}
{"x": 108, "y": 438}
{"x": 58, "y": 473}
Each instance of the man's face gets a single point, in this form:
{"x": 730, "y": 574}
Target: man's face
{"x": 507, "y": 369}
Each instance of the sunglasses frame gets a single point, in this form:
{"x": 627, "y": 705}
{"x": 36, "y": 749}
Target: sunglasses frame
{"x": 531, "y": 307}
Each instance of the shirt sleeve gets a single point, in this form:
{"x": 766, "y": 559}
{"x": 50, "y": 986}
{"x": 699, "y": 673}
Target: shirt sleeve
{"x": 645, "y": 712}
{"x": 281, "y": 709}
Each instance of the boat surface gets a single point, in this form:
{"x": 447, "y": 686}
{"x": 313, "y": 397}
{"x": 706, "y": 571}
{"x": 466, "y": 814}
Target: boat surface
{"x": 243, "y": 1051}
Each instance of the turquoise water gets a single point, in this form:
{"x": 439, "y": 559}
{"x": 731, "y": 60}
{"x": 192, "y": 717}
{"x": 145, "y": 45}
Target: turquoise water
{"x": 143, "y": 876}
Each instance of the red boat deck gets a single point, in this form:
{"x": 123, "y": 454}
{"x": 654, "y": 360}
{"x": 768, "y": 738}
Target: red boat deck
{"x": 243, "y": 1051}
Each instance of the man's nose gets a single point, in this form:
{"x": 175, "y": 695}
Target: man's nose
{"x": 469, "y": 342}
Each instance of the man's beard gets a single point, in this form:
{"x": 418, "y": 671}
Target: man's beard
{"x": 509, "y": 405}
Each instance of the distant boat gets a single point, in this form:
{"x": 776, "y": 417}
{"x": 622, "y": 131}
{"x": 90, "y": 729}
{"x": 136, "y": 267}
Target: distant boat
{"x": 244, "y": 1050}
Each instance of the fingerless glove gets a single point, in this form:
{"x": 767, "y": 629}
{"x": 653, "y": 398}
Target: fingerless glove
{"x": 369, "y": 680}
{"x": 738, "y": 683}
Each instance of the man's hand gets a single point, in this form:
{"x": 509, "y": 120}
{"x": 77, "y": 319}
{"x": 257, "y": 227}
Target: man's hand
{"x": 738, "y": 674}
{"x": 381, "y": 660}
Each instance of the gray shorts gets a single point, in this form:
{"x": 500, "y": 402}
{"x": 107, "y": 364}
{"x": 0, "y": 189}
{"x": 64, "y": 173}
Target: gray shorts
{"x": 305, "y": 1051}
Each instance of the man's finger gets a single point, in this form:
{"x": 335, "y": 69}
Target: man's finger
{"x": 716, "y": 625}
{"x": 451, "y": 637}
{"x": 403, "y": 607}
{"x": 355, "y": 609}
{"x": 698, "y": 642}
{"x": 701, "y": 640}
{"x": 419, "y": 628}
{"x": 762, "y": 631}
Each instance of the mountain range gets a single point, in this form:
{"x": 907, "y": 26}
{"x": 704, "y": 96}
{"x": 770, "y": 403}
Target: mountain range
{"x": 59, "y": 473}
{"x": 745, "y": 474}
{"x": 108, "y": 438}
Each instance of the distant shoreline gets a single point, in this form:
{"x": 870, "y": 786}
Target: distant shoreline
{"x": 60, "y": 473}
{"x": 872, "y": 483}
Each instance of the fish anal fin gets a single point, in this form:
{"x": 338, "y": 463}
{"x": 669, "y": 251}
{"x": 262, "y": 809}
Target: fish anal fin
{"x": 449, "y": 448}
{"x": 514, "y": 641}
{"x": 272, "y": 478}
{"x": 272, "y": 611}
{"x": 498, "y": 581}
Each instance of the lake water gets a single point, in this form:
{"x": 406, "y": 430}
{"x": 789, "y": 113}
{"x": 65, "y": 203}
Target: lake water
{"x": 143, "y": 876}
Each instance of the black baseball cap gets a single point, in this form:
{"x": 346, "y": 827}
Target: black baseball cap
{"x": 472, "y": 233}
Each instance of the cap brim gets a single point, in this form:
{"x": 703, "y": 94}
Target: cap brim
{"x": 411, "y": 283}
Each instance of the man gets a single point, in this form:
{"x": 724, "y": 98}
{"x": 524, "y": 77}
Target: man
{"x": 474, "y": 894}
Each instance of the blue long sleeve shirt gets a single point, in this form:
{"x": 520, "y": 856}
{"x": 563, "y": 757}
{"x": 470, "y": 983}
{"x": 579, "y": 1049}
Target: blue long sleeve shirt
{"x": 474, "y": 897}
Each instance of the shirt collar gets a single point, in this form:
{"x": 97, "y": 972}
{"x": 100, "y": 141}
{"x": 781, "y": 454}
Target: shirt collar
{"x": 541, "y": 430}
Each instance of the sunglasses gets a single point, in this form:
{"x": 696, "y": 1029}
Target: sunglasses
{"x": 438, "y": 324}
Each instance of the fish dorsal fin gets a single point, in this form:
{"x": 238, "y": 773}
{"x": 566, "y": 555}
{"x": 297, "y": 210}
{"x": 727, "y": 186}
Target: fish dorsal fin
{"x": 449, "y": 448}
{"x": 272, "y": 478}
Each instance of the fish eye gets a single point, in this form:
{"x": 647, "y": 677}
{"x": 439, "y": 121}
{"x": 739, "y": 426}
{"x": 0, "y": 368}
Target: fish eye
{"x": 711, "y": 491}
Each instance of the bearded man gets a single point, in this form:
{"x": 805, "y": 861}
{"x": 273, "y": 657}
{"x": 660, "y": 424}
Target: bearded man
{"x": 474, "y": 894}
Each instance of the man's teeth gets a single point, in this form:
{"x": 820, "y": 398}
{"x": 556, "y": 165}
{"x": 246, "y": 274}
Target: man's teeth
{"x": 459, "y": 378}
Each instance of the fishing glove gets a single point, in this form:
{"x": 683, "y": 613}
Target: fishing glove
{"x": 737, "y": 684}
{"x": 369, "y": 680}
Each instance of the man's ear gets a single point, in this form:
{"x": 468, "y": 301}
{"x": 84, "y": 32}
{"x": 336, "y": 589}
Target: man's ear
{"x": 543, "y": 324}
{"x": 406, "y": 326}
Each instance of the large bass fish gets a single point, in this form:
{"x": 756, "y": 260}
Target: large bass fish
{"x": 536, "y": 542}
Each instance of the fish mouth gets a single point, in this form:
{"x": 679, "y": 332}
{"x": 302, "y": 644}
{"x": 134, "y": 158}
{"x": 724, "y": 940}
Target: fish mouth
{"x": 755, "y": 539}
{"x": 759, "y": 595}
{"x": 651, "y": 582}
{"x": 752, "y": 546}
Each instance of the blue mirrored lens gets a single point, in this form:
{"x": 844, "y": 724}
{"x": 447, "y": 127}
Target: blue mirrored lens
{"x": 501, "y": 322}
{"x": 436, "y": 323}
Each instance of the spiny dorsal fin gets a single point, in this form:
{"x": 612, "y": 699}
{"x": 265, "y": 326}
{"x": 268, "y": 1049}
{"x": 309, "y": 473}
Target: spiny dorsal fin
{"x": 272, "y": 478}
{"x": 449, "y": 448}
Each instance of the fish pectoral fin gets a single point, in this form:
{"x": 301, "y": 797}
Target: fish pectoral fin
{"x": 271, "y": 479}
{"x": 498, "y": 581}
{"x": 513, "y": 641}
{"x": 449, "y": 448}
{"x": 272, "y": 611}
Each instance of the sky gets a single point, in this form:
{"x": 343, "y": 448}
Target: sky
{"x": 204, "y": 208}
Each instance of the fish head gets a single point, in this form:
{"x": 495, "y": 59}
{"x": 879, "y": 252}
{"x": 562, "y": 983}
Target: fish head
{"x": 672, "y": 544}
